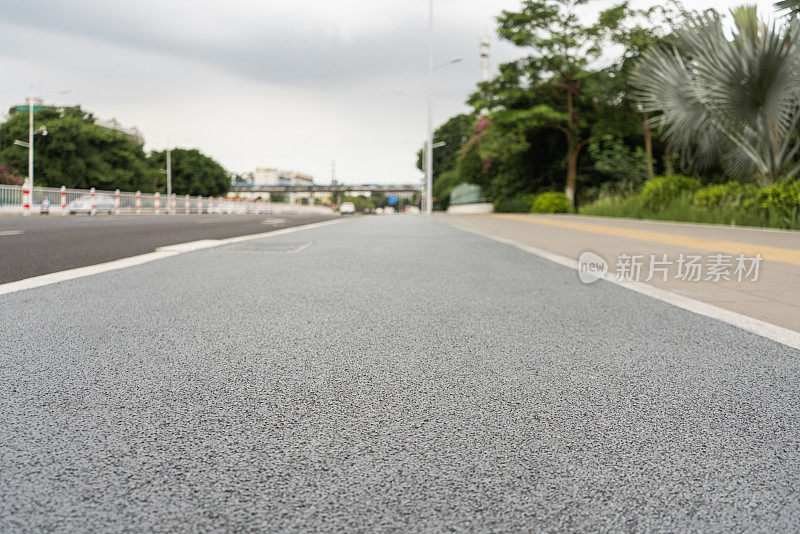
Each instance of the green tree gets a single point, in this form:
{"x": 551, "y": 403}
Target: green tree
{"x": 625, "y": 168}
{"x": 360, "y": 202}
{"x": 636, "y": 30}
{"x": 792, "y": 5}
{"x": 454, "y": 134}
{"x": 76, "y": 152}
{"x": 560, "y": 48}
{"x": 193, "y": 173}
{"x": 733, "y": 98}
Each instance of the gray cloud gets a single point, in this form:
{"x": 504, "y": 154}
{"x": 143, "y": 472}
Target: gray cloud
{"x": 268, "y": 49}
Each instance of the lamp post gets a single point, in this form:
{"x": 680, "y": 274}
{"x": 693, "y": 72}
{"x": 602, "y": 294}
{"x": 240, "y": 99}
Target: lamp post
{"x": 169, "y": 172}
{"x": 29, "y": 146}
{"x": 429, "y": 143}
{"x": 30, "y": 143}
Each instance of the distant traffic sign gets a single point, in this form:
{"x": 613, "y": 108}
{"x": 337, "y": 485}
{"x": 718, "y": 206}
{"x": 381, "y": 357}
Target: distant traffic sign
{"x": 392, "y": 200}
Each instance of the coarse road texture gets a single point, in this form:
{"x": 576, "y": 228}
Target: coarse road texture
{"x": 385, "y": 373}
{"x": 37, "y": 245}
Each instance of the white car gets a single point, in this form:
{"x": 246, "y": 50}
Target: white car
{"x": 347, "y": 208}
{"x": 83, "y": 204}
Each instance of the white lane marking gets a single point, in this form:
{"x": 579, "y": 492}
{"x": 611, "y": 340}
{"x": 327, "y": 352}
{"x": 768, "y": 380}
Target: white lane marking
{"x": 272, "y": 222}
{"x": 787, "y": 337}
{"x": 11, "y": 232}
{"x": 52, "y": 278}
{"x": 294, "y": 249}
{"x": 160, "y": 253}
{"x": 189, "y": 246}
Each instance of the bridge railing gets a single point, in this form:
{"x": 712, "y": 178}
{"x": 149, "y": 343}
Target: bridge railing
{"x": 12, "y": 199}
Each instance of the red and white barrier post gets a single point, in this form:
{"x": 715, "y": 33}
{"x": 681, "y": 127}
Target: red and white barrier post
{"x": 26, "y": 199}
{"x": 187, "y": 204}
{"x": 138, "y": 203}
{"x": 91, "y": 205}
{"x": 116, "y": 202}
{"x": 173, "y": 204}
{"x": 210, "y": 204}
{"x": 63, "y": 200}
{"x": 200, "y": 204}
{"x": 221, "y": 209}
{"x": 157, "y": 202}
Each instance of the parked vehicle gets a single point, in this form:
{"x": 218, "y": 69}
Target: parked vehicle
{"x": 347, "y": 208}
{"x": 83, "y": 204}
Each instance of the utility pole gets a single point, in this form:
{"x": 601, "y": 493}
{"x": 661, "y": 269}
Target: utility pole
{"x": 485, "y": 44}
{"x": 169, "y": 172}
{"x": 30, "y": 143}
{"x": 429, "y": 143}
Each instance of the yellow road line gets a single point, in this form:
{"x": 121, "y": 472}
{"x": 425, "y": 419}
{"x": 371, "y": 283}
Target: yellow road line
{"x": 782, "y": 255}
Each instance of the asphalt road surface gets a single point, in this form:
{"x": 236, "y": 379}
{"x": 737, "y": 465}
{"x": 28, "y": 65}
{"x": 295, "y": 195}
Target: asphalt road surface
{"x": 385, "y": 373}
{"x": 31, "y": 246}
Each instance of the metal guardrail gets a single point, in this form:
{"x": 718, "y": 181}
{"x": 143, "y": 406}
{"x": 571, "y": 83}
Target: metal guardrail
{"x": 11, "y": 197}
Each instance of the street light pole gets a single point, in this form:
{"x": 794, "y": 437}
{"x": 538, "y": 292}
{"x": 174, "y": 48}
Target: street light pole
{"x": 429, "y": 142}
{"x": 30, "y": 143}
{"x": 169, "y": 173}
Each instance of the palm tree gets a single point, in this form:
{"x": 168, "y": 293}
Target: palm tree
{"x": 731, "y": 98}
{"x": 792, "y": 5}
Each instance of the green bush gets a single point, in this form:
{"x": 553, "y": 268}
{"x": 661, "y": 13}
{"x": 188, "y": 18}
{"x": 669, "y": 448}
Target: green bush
{"x": 518, "y": 204}
{"x": 785, "y": 194}
{"x": 774, "y": 206}
{"x": 781, "y": 199}
{"x": 551, "y": 202}
{"x": 661, "y": 190}
{"x": 731, "y": 193}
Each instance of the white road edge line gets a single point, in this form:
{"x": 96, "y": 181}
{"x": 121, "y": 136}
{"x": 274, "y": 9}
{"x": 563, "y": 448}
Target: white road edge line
{"x": 787, "y": 337}
{"x": 160, "y": 253}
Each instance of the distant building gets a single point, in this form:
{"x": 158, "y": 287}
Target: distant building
{"x": 114, "y": 124}
{"x": 273, "y": 176}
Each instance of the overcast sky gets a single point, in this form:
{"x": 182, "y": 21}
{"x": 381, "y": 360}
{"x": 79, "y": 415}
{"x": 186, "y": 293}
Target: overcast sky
{"x": 259, "y": 83}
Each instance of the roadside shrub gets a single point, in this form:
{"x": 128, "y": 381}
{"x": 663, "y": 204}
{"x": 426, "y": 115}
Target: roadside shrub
{"x": 731, "y": 193}
{"x": 551, "y": 202}
{"x": 782, "y": 198}
{"x": 773, "y": 206}
{"x": 518, "y": 204}
{"x": 661, "y": 190}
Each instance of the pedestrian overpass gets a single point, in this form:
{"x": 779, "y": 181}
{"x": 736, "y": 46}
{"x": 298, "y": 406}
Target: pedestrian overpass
{"x": 239, "y": 187}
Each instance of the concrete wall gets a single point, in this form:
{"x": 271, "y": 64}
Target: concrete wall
{"x": 465, "y": 209}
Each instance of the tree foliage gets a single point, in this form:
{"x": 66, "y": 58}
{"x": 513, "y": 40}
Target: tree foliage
{"x": 736, "y": 98}
{"x": 76, "y": 152}
{"x": 454, "y": 133}
{"x": 193, "y": 173}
